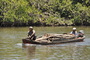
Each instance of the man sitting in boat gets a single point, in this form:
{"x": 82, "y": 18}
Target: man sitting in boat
{"x": 80, "y": 33}
{"x": 74, "y": 32}
{"x": 31, "y": 33}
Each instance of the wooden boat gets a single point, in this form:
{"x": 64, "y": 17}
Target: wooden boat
{"x": 54, "y": 39}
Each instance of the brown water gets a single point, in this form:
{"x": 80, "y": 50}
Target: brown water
{"x": 11, "y": 45}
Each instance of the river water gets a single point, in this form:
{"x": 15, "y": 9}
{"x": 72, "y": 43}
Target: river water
{"x": 11, "y": 47}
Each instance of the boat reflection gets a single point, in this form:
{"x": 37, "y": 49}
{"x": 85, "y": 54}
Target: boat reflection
{"x": 30, "y": 51}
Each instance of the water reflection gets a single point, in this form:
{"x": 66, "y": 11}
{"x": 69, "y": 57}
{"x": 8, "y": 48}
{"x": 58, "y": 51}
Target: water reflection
{"x": 30, "y": 51}
{"x": 58, "y": 52}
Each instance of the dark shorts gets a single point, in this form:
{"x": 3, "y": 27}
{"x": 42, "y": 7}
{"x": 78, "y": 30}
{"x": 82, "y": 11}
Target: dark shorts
{"x": 34, "y": 37}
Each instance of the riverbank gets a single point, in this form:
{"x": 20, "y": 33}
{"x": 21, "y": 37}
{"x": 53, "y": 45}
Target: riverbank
{"x": 35, "y": 24}
{"x": 44, "y": 13}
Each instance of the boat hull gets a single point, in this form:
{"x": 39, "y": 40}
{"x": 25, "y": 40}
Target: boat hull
{"x": 27, "y": 41}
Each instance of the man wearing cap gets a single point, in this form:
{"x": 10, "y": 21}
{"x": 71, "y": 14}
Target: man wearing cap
{"x": 74, "y": 31}
{"x": 31, "y": 33}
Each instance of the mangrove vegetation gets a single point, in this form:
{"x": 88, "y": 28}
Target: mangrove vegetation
{"x": 44, "y": 12}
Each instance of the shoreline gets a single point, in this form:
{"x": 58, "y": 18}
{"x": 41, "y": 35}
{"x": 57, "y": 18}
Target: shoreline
{"x": 47, "y": 26}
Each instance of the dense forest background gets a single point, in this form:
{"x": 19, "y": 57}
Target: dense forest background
{"x": 44, "y": 12}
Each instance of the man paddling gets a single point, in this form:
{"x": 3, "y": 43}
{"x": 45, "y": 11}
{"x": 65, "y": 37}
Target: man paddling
{"x": 31, "y": 33}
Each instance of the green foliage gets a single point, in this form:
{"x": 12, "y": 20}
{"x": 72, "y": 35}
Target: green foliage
{"x": 44, "y": 12}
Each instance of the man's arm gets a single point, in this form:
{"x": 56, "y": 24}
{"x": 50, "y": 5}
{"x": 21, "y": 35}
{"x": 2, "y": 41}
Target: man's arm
{"x": 33, "y": 33}
{"x": 28, "y": 34}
